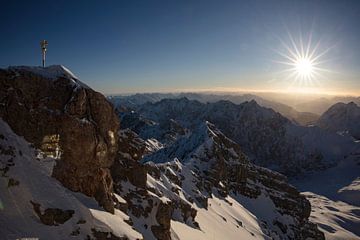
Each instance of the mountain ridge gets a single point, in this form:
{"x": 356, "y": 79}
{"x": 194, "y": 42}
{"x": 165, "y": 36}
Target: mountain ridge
{"x": 342, "y": 117}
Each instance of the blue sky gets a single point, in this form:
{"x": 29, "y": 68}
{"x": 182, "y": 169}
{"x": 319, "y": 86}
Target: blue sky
{"x": 147, "y": 46}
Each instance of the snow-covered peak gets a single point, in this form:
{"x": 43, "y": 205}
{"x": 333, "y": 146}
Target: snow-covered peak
{"x": 52, "y": 72}
{"x": 204, "y": 136}
{"x": 342, "y": 117}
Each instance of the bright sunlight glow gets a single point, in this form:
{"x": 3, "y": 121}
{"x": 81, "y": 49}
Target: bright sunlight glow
{"x": 304, "y": 66}
{"x": 303, "y": 62}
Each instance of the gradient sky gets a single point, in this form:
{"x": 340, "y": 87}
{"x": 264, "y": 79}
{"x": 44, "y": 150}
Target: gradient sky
{"x": 146, "y": 46}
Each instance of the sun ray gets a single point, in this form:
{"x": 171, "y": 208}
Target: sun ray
{"x": 294, "y": 45}
{"x": 308, "y": 45}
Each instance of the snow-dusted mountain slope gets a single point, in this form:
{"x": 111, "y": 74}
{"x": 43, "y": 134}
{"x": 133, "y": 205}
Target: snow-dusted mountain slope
{"x": 265, "y": 136}
{"x": 342, "y": 117}
{"x": 35, "y": 205}
{"x": 208, "y": 189}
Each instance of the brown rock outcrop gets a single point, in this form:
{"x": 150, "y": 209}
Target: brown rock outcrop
{"x": 126, "y": 166}
{"x": 163, "y": 217}
{"x": 52, "y": 216}
{"x": 51, "y": 103}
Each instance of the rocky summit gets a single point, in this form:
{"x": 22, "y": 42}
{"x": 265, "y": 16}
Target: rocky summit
{"x": 60, "y": 115}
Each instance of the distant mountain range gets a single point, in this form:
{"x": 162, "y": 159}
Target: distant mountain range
{"x": 267, "y": 137}
{"x": 303, "y": 118}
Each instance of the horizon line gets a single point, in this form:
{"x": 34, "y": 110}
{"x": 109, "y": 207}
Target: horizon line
{"x": 241, "y": 91}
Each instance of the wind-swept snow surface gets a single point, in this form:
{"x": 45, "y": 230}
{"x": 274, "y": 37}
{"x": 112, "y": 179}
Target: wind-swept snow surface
{"x": 338, "y": 220}
{"x": 335, "y": 198}
{"x": 224, "y": 219}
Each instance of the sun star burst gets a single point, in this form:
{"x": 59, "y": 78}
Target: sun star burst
{"x": 302, "y": 61}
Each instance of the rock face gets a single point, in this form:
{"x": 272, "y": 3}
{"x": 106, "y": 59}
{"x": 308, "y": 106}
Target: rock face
{"x": 51, "y": 103}
{"x": 201, "y": 173}
{"x": 342, "y": 117}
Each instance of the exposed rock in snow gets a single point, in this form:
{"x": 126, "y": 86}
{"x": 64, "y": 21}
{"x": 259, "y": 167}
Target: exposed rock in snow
{"x": 211, "y": 185}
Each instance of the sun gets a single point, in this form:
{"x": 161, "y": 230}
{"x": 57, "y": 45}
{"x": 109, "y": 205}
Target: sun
{"x": 303, "y": 61}
{"x": 304, "y": 67}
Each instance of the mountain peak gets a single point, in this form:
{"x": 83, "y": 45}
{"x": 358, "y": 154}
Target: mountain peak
{"x": 342, "y": 117}
{"x": 52, "y": 72}
{"x": 52, "y": 104}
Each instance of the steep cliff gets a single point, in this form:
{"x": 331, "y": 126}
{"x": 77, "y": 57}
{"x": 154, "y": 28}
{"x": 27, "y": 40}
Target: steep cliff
{"x": 64, "y": 118}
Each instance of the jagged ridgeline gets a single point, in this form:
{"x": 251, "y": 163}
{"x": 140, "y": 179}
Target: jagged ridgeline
{"x": 68, "y": 172}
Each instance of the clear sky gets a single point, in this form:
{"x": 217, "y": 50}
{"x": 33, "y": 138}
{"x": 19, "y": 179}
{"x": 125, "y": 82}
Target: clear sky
{"x": 146, "y": 46}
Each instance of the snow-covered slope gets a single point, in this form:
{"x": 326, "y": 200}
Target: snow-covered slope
{"x": 338, "y": 220}
{"x": 343, "y": 118}
{"x": 35, "y": 205}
